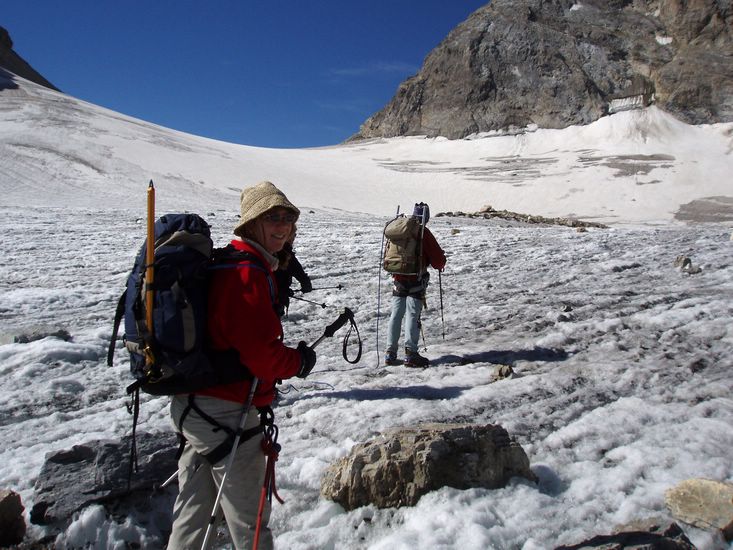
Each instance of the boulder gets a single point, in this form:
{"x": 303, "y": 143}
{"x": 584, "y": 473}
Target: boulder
{"x": 99, "y": 472}
{"x": 645, "y": 536}
{"x": 400, "y": 466}
{"x": 703, "y": 503}
{"x": 12, "y": 524}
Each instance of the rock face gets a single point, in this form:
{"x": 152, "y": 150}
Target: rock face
{"x": 401, "y": 466}
{"x": 555, "y": 63}
{"x": 16, "y": 64}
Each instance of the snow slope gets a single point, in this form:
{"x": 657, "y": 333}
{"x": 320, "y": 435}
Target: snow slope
{"x": 622, "y": 361}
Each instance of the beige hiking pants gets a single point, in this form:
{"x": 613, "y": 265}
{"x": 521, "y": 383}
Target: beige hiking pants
{"x": 198, "y": 481}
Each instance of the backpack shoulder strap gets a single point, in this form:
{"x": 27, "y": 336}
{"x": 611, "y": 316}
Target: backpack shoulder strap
{"x": 229, "y": 257}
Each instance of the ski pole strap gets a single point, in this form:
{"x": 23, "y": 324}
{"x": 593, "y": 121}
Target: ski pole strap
{"x": 348, "y": 335}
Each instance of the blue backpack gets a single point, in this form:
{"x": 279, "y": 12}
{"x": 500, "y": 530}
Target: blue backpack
{"x": 184, "y": 259}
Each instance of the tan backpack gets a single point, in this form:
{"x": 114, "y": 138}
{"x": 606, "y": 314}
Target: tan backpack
{"x": 403, "y": 251}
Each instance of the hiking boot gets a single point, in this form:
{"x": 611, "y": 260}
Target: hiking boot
{"x": 414, "y": 359}
{"x": 390, "y": 359}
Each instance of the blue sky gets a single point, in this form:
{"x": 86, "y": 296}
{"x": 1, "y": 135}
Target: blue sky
{"x": 272, "y": 73}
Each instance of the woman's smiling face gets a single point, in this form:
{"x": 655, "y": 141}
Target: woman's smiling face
{"x": 276, "y": 226}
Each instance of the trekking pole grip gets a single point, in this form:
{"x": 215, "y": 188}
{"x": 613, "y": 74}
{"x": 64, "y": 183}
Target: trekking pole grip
{"x": 331, "y": 329}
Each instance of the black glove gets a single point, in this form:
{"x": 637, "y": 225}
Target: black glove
{"x": 306, "y": 287}
{"x": 307, "y": 359}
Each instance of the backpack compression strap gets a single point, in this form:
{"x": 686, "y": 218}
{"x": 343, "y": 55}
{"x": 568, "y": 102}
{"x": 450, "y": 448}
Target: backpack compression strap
{"x": 119, "y": 314}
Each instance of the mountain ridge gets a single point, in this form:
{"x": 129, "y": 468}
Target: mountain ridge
{"x": 559, "y": 63}
{"x": 13, "y": 62}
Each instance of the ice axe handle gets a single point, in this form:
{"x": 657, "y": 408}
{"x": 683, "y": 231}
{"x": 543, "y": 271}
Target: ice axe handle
{"x": 337, "y": 324}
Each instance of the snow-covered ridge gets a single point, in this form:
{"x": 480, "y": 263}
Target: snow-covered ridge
{"x": 636, "y": 166}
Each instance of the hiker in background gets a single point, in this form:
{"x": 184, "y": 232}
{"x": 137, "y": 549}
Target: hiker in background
{"x": 408, "y": 296}
{"x": 242, "y": 319}
{"x": 289, "y": 267}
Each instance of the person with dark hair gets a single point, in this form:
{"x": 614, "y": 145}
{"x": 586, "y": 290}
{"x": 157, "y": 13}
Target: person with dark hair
{"x": 289, "y": 267}
{"x": 408, "y": 296}
{"x": 242, "y": 321}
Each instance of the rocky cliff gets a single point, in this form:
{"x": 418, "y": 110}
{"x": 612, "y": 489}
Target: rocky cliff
{"x": 14, "y": 63}
{"x": 555, "y": 63}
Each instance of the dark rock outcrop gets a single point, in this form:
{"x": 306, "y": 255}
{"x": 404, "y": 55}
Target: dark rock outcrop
{"x": 15, "y": 64}
{"x": 644, "y": 537}
{"x": 98, "y": 472}
{"x": 12, "y": 524}
{"x": 555, "y": 63}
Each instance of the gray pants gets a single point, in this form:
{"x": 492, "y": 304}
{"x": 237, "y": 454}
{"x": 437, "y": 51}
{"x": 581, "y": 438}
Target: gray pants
{"x": 198, "y": 481}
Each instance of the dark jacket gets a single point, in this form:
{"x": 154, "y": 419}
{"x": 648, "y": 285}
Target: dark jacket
{"x": 284, "y": 278}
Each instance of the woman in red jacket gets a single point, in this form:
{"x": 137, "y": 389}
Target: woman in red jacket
{"x": 243, "y": 321}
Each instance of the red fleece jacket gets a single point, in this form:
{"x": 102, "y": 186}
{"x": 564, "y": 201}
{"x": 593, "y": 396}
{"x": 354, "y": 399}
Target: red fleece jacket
{"x": 241, "y": 317}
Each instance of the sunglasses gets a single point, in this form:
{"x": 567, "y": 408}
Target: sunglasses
{"x": 280, "y": 218}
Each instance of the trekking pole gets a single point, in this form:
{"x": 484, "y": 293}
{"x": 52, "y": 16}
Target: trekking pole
{"x": 232, "y": 453}
{"x": 149, "y": 270}
{"x": 331, "y": 329}
{"x": 379, "y": 277}
{"x": 422, "y": 333}
{"x": 338, "y": 287}
{"x": 440, "y": 289}
{"x": 323, "y": 305}
{"x": 167, "y": 482}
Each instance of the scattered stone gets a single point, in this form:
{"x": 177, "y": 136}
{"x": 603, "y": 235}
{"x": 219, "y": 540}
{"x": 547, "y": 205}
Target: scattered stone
{"x": 684, "y": 264}
{"x": 488, "y": 213}
{"x": 644, "y": 536}
{"x": 61, "y": 334}
{"x": 682, "y": 261}
{"x": 12, "y": 524}
{"x": 704, "y": 503}
{"x": 400, "y": 466}
{"x": 501, "y": 372}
